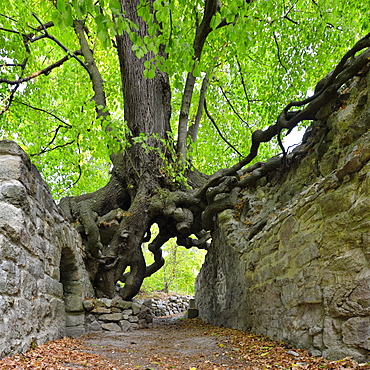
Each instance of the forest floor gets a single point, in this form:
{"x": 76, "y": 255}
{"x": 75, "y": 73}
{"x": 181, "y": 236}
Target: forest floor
{"x": 172, "y": 343}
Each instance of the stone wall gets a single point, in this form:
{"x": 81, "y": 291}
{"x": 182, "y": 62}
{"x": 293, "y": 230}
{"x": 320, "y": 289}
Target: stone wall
{"x": 292, "y": 261}
{"x": 117, "y": 315}
{"x": 172, "y": 305}
{"x": 45, "y": 291}
{"x": 42, "y": 275}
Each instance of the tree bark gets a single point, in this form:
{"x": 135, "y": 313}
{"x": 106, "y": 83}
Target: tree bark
{"x": 115, "y": 220}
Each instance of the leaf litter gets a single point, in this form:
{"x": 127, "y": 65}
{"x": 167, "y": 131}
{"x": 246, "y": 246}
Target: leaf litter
{"x": 175, "y": 343}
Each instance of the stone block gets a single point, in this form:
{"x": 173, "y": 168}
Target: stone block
{"x": 13, "y": 217}
{"x": 93, "y": 326}
{"x": 12, "y": 167}
{"x": 100, "y": 310}
{"x": 148, "y": 303}
{"x": 35, "y": 267}
{"x": 124, "y": 305}
{"x": 143, "y": 313}
{"x": 75, "y": 331}
{"x": 133, "y": 319}
{"x": 136, "y": 308}
{"x": 111, "y": 326}
{"x": 9, "y": 282}
{"x": 28, "y": 285}
{"x": 111, "y": 317}
{"x": 75, "y": 319}
{"x": 142, "y": 324}
{"x": 125, "y": 325}
{"x": 51, "y": 287}
{"x": 88, "y": 304}
{"x": 356, "y": 332}
{"x": 9, "y": 250}
{"x": 73, "y": 302}
{"x": 14, "y": 193}
{"x": 103, "y": 302}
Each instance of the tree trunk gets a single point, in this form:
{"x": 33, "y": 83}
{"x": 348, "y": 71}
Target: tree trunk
{"x": 137, "y": 177}
{"x": 115, "y": 220}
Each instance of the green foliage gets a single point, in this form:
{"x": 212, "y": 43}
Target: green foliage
{"x": 179, "y": 272}
{"x": 269, "y": 53}
{"x": 172, "y": 168}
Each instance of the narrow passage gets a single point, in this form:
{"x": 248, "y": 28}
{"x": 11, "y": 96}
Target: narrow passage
{"x": 172, "y": 343}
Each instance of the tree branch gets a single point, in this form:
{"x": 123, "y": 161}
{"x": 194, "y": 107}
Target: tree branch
{"x": 44, "y": 71}
{"x": 278, "y": 51}
{"x": 47, "y": 150}
{"x": 211, "y": 7}
{"x": 219, "y": 131}
{"x": 47, "y": 35}
{"x": 193, "y": 130}
{"x": 347, "y": 68}
{"x": 231, "y": 106}
{"x": 44, "y": 111}
{"x": 92, "y": 69}
{"x": 8, "y": 30}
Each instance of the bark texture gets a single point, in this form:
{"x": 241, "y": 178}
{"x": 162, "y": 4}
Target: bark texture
{"x": 115, "y": 220}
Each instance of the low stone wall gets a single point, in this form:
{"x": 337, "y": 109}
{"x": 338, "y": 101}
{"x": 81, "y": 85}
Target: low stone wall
{"x": 116, "y": 314}
{"x": 293, "y": 260}
{"x": 42, "y": 279}
{"x": 172, "y": 305}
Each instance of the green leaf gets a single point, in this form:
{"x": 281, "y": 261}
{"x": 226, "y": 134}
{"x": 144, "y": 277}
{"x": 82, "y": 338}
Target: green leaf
{"x": 61, "y": 5}
{"x": 149, "y": 73}
{"x": 140, "y": 53}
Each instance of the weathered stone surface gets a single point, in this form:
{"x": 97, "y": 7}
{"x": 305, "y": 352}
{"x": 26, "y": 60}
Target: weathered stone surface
{"x": 93, "y": 326}
{"x": 133, "y": 319}
{"x": 143, "y": 324}
{"x": 88, "y": 304}
{"x": 193, "y": 313}
{"x": 304, "y": 278}
{"x": 75, "y": 331}
{"x": 118, "y": 313}
{"x": 136, "y": 307}
{"x": 101, "y": 310}
{"x": 125, "y": 325}
{"x": 124, "y": 305}
{"x": 356, "y": 332}
{"x": 111, "y": 317}
{"x": 73, "y": 302}
{"x": 77, "y": 319}
{"x": 36, "y": 282}
{"x": 173, "y": 305}
{"x": 110, "y": 326}
{"x": 103, "y": 302}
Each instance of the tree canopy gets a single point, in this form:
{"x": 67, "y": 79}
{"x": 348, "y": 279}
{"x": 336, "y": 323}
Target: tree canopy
{"x": 117, "y": 100}
{"x": 257, "y": 57}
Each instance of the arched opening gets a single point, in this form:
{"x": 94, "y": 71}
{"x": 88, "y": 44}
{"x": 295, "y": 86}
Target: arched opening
{"x": 71, "y": 278}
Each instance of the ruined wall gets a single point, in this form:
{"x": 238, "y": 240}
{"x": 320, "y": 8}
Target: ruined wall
{"x": 42, "y": 278}
{"x": 302, "y": 275}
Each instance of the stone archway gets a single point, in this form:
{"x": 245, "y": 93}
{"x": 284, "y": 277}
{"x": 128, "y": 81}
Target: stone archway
{"x": 71, "y": 276}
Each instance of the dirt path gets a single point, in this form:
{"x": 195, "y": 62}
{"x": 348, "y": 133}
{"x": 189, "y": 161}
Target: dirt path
{"x": 171, "y": 344}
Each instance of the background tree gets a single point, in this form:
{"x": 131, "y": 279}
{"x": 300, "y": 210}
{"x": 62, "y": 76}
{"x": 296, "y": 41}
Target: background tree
{"x": 178, "y": 273}
{"x": 152, "y": 92}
